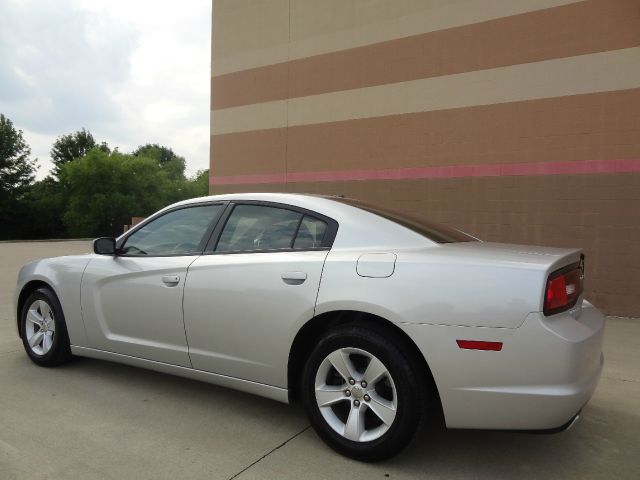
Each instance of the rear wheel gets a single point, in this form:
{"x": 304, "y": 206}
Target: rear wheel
{"x": 43, "y": 328}
{"x": 363, "y": 395}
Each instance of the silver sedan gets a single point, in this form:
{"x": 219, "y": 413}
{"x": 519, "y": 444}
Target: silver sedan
{"x": 368, "y": 316}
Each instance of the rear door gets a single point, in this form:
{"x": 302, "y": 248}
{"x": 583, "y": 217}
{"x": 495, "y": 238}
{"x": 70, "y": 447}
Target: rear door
{"x": 132, "y": 302}
{"x": 257, "y": 283}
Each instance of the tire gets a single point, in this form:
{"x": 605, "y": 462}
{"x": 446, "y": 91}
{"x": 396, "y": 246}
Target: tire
{"x": 376, "y": 419}
{"x": 43, "y": 329}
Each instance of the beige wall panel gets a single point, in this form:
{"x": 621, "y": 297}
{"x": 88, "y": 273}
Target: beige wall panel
{"x": 250, "y": 117}
{"x": 615, "y": 70}
{"x": 248, "y": 32}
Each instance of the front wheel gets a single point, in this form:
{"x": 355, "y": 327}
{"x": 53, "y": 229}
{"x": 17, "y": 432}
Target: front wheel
{"x": 362, "y": 394}
{"x": 43, "y": 328}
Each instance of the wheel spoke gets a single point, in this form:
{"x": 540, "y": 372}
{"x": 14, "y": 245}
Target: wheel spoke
{"x": 45, "y": 311}
{"x": 51, "y": 326}
{"x": 342, "y": 364}
{"x": 384, "y": 409}
{"x": 375, "y": 370}
{"x": 355, "y": 424}
{"x": 329, "y": 394}
{"x": 34, "y": 317}
{"x": 47, "y": 341}
{"x": 36, "y": 338}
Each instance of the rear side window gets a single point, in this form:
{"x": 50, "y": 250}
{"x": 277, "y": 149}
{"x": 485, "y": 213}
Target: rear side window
{"x": 257, "y": 227}
{"x": 262, "y": 227}
{"x": 433, "y": 231}
{"x": 310, "y": 233}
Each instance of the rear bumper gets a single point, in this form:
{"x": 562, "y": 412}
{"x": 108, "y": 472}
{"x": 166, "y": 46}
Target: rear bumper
{"x": 551, "y": 431}
{"x": 545, "y": 373}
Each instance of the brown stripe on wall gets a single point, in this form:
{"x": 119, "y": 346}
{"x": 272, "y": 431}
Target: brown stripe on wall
{"x": 600, "y": 213}
{"x": 597, "y": 126}
{"x": 575, "y": 29}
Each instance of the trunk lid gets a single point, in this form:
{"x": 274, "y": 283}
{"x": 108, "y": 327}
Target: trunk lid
{"x": 481, "y": 283}
{"x": 547, "y": 261}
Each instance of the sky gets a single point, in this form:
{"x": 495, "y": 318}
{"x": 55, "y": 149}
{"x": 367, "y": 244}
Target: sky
{"x": 130, "y": 71}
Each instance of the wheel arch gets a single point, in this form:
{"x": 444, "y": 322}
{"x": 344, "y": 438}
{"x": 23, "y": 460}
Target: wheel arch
{"x": 311, "y": 331}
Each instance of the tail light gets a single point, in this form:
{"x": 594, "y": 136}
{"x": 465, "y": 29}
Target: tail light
{"x": 564, "y": 287}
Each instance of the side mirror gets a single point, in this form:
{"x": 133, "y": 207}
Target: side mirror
{"x": 104, "y": 246}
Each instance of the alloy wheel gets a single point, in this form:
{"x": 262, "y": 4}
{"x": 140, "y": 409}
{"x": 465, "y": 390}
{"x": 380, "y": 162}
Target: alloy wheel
{"x": 40, "y": 327}
{"x": 356, "y": 394}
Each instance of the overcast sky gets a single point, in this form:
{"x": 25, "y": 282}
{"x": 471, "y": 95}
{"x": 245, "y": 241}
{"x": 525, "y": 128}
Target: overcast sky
{"x": 130, "y": 71}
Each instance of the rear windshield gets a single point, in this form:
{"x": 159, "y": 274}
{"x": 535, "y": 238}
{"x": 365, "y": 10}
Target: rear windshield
{"x": 433, "y": 231}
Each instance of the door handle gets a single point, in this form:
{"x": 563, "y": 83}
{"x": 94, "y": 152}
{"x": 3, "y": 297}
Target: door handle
{"x": 294, "y": 278}
{"x": 170, "y": 280}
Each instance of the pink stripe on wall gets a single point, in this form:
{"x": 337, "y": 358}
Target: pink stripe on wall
{"x": 453, "y": 171}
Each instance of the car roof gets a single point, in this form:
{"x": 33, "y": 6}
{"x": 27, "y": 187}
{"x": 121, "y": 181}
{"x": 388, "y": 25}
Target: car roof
{"x": 289, "y": 198}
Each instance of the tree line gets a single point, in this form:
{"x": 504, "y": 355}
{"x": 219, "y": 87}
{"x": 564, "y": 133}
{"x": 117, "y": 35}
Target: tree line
{"x": 92, "y": 190}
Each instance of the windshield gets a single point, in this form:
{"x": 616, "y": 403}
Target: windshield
{"x": 433, "y": 231}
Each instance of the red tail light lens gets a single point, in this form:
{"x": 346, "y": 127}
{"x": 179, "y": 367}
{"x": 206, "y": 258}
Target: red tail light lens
{"x": 564, "y": 287}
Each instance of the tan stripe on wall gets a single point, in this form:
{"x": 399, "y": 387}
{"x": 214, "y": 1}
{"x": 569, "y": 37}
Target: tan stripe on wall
{"x": 616, "y": 70}
{"x": 575, "y": 29}
{"x": 581, "y": 127}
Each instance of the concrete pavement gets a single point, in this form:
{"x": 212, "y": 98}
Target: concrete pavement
{"x": 98, "y": 420}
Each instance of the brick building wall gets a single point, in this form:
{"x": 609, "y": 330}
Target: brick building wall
{"x": 516, "y": 121}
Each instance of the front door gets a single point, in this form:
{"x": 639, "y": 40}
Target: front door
{"x": 132, "y": 302}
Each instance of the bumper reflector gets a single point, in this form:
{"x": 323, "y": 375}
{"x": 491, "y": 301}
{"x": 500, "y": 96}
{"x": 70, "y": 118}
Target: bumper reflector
{"x": 479, "y": 345}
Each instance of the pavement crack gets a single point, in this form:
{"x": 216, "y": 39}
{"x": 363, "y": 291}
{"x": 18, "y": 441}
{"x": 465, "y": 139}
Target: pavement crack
{"x": 270, "y": 452}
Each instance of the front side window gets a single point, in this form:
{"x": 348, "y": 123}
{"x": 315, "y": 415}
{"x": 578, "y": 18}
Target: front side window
{"x": 175, "y": 233}
{"x": 258, "y": 227}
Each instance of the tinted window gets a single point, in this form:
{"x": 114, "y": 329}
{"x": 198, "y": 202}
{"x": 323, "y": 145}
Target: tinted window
{"x": 257, "y": 227}
{"x": 176, "y": 233}
{"x": 310, "y": 234}
{"x": 433, "y": 231}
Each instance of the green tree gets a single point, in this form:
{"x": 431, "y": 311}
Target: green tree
{"x": 199, "y": 184}
{"x": 174, "y": 166}
{"x": 17, "y": 172}
{"x": 160, "y": 153}
{"x": 44, "y": 206}
{"x": 166, "y": 159}
{"x": 104, "y": 190}
{"x": 73, "y": 146}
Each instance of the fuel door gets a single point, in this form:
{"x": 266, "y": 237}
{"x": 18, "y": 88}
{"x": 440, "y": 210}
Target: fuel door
{"x": 376, "y": 265}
